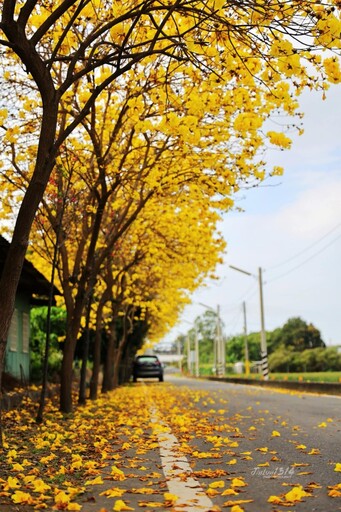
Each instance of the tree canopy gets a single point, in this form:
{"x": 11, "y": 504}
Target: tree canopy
{"x": 117, "y": 105}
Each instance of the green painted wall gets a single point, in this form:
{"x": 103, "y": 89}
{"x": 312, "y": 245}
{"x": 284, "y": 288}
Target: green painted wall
{"x": 17, "y": 361}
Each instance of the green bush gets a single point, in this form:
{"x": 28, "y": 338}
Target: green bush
{"x": 38, "y": 340}
{"x": 310, "y": 360}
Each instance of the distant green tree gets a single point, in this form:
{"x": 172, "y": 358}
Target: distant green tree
{"x": 282, "y": 360}
{"x": 206, "y": 326}
{"x": 298, "y": 334}
{"x": 310, "y": 360}
{"x": 285, "y": 345}
{"x": 179, "y": 344}
{"x": 38, "y": 338}
{"x": 319, "y": 360}
{"x": 235, "y": 348}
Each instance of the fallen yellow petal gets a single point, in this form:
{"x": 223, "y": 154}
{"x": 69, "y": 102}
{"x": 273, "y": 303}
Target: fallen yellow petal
{"x": 296, "y": 494}
{"x": 236, "y": 508}
{"x": 96, "y": 481}
{"x": 334, "y": 493}
{"x": 172, "y": 498}
{"x": 301, "y": 447}
{"x": 275, "y": 499}
{"x": 238, "y": 482}
{"x": 115, "y": 492}
{"x": 217, "y": 484}
{"x": 74, "y": 506}
{"x": 117, "y": 474}
{"x": 229, "y": 492}
{"x": 120, "y": 505}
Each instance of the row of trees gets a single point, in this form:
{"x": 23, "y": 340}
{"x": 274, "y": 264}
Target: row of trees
{"x": 296, "y": 346}
{"x": 131, "y": 126}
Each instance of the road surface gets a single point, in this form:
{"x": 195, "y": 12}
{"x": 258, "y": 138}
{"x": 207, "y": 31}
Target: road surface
{"x": 220, "y": 446}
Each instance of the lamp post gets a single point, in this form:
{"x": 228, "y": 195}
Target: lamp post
{"x": 247, "y": 360}
{"x": 196, "y": 351}
{"x": 219, "y": 346}
{"x": 264, "y": 350}
{"x": 189, "y": 362}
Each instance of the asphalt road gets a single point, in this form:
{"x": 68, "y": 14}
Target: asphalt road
{"x": 212, "y": 433}
{"x": 313, "y": 421}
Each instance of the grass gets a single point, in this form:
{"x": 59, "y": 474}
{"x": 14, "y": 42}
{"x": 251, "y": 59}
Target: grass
{"x": 331, "y": 376}
{"x": 295, "y": 377}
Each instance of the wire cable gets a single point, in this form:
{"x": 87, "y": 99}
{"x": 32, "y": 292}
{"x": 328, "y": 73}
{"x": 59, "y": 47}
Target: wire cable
{"x": 305, "y": 261}
{"x": 305, "y": 250}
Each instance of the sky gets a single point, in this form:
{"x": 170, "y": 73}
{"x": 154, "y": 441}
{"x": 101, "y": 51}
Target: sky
{"x": 290, "y": 227}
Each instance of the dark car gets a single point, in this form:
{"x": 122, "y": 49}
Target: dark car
{"x": 147, "y": 367}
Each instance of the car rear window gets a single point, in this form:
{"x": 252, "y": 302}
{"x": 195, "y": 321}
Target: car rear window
{"x": 146, "y": 359}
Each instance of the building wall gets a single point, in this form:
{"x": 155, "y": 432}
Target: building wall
{"x": 17, "y": 361}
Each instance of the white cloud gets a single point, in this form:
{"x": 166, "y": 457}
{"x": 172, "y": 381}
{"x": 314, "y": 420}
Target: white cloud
{"x": 314, "y": 213}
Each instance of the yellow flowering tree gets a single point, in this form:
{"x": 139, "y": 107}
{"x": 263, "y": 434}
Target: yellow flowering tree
{"x": 53, "y": 51}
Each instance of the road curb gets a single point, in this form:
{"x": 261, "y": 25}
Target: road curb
{"x": 327, "y": 388}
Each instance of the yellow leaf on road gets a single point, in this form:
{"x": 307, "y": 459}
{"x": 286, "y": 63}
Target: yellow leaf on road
{"x": 275, "y": 499}
{"x": 117, "y": 474}
{"x": 238, "y": 482}
{"x": 120, "y": 505}
{"x": 115, "y": 492}
{"x": 217, "y": 484}
{"x": 74, "y": 506}
{"x": 301, "y": 447}
{"x": 171, "y": 498}
{"x": 296, "y": 494}
{"x": 22, "y": 497}
{"x": 96, "y": 481}
{"x": 229, "y": 492}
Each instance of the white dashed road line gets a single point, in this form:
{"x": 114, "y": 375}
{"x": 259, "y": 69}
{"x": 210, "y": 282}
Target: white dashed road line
{"x": 190, "y": 494}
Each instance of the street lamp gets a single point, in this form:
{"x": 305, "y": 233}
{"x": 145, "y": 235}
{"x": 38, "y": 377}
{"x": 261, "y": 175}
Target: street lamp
{"x": 196, "y": 350}
{"x": 264, "y": 350}
{"x": 219, "y": 346}
{"x": 247, "y": 360}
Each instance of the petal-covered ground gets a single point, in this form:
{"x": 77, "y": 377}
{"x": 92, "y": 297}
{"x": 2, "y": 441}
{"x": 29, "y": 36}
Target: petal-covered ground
{"x": 154, "y": 447}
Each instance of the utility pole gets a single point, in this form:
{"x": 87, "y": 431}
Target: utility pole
{"x": 196, "y": 351}
{"x": 189, "y": 362}
{"x": 247, "y": 360}
{"x": 263, "y": 347}
{"x": 218, "y": 347}
{"x": 264, "y": 350}
{"x": 179, "y": 354}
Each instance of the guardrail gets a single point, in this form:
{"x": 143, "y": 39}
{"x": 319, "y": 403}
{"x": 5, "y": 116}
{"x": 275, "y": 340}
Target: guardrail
{"x": 327, "y": 388}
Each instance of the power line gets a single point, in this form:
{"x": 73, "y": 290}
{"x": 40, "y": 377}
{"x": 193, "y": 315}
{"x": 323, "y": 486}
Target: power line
{"x": 306, "y": 249}
{"x": 306, "y": 261}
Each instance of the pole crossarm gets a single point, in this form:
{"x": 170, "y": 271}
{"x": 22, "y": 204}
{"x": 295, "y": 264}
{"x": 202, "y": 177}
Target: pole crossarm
{"x": 242, "y": 271}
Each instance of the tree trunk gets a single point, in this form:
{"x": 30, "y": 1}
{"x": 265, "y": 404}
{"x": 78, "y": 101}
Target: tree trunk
{"x": 97, "y": 351}
{"x": 109, "y": 362}
{"x": 66, "y": 375}
{"x": 96, "y": 364}
{"x": 17, "y": 250}
{"x": 85, "y": 356}
{"x": 117, "y": 362}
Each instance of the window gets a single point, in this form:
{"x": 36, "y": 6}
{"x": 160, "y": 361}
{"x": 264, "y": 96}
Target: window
{"x": 13, "y": 332}
{"x": 26, "y": 333}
